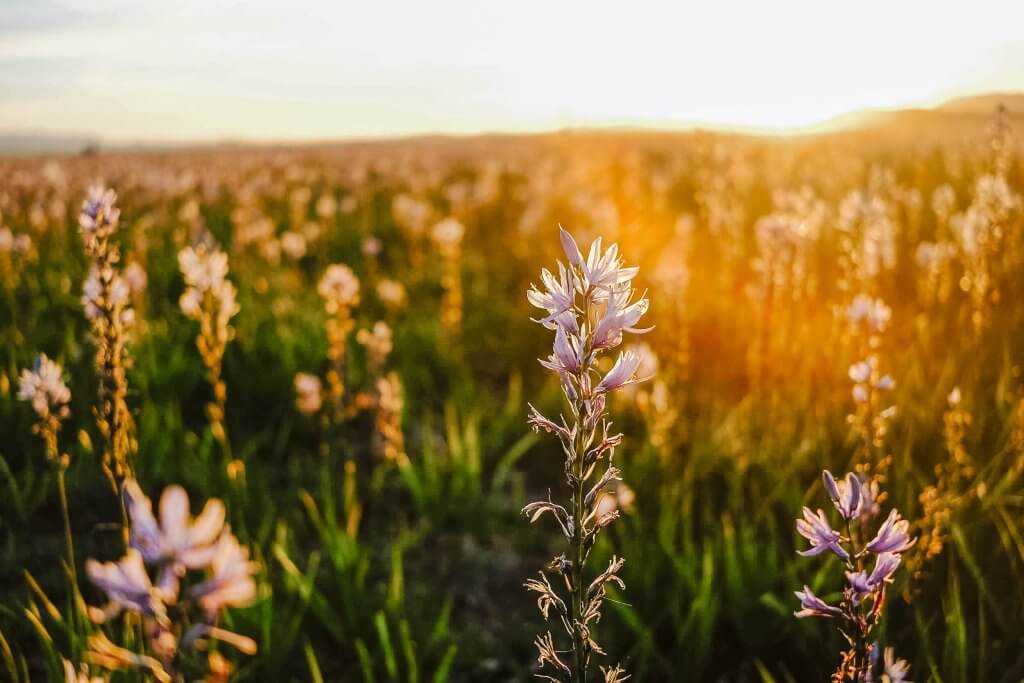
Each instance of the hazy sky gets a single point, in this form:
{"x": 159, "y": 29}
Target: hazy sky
{"x": 183, "y": 70}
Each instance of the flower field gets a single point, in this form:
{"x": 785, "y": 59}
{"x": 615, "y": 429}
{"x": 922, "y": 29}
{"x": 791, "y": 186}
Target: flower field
{"x": 276, "y": 413}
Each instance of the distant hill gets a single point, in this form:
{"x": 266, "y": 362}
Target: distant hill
{"x": 45, "y": 143}
{"x": 966, "y": 112}
{"x": 985, "y": 104}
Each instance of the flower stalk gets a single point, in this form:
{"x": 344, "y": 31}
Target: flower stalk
{"x": 106, "y": 302}
{"x": 589, "y": 305}
{"x": 863, "y": 602}
{"x": 210, "y": 300}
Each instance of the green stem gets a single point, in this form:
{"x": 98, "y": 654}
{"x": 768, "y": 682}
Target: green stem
{"x": 580, "y": 675}
{"x": 70, "y": 548}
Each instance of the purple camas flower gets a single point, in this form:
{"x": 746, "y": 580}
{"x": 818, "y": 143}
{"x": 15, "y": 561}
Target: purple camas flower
{"x": 175, "y": 549}
{"x": 895, "y": 670}
{"x": 816, "y": 529}
{"x": 864, "y": 594}
{"x": 863, "y": 583}
{"x": 845, "y": 494}
{"x": 127, "y": 584}
{"x": 813, "y": 606}
{"x": 99, "y": 213}
{"x": 893, "y": 536}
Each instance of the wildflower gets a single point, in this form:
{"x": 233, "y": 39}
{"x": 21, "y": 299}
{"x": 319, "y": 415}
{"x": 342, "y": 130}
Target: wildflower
{"x": 895, "y": 670}
{"x": 619, "y": 316}
{"x": 105, "y": 300}
{"x": 96, "y": 295}
{"x": 43, "y": 386}
{"x": 845, "y": 494}
{"x": 211, "y": 300}
{"x": 231, "y": 583}
{"x": 308, "y": 394}
{"x": 176, "y": 622}
{"x": 448, "y": 236}
{"x": 860, "y": 372}
{"x": 813, "y": 606}
{"x": 389, "y": 440}
{"x": 412, "y": 213}
{"x": 892, "y": 536}
{"x": 99, "y": 216}
{"x": 15, "y": 250}
{"x": 339, "y": 287}
{"x": 566, "y": 356}
{"x": 372, "y": 247}
{"x": 871, "y": 312}
{"x": 135, "y": 278}
{"x": 127, "y": 584}
{"x": 293, "y": 244}
{"x": 177, "y": 542}
{"x": 378, "y": 342}
{"x": 448, "y": 232}
{"x": 863, "y": 599}
{"x": 601, "y": 270}
{"x": 599, "y": 286}
{"x": 558, "y": 298}
{"x": 816, "y": 529}
{"x": 391, "y": 293}
{"x": 614, "y": 674}
{"x": 863, "y": 583}
{"x": 622, "y": 373}
{"x": 326, "y": 206}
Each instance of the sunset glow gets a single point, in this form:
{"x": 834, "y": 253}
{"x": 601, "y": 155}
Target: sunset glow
{"x": 257, "y": 70}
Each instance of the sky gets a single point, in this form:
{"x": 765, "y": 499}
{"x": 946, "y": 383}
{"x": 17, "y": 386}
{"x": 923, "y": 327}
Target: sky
{"x": 179, "y": 70}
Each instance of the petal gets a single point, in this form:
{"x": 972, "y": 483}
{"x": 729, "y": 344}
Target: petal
{"x": 208, "y": 525}
{"x": 174, "y": 513}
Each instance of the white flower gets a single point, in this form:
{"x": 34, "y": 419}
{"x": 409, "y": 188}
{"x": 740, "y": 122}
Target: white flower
{"x": 378, "y": 341}
{"x": 43, "y": 386}
{"x": 448, "y": 232}
{"x": 93, "y": 296}
{"x": 177, "y": 542}
{"x": 372, "y": 246}
{"x": 557, "y": 299}
{"x": 293, "y": 244}
{"x": 896, "y": 670}
{"x": 860, "y": 372}
{"x": 203, "y": 269}
{"x": 339, "y": 286}
{"x": 619, "y": 316}
{"x": 603, "y": 271}
{"x": 873, "y": 312}
{"x": 308, "y": 394}
{"x": 135, "y": 278}
{"x": 954, "y": 397}
{"x": 622, "y": 373}
{"x": 191, "y": 302}
{"x": 391, "y": 293}
{"x": 567, "y": 353}
{"x": 231, "y": 583}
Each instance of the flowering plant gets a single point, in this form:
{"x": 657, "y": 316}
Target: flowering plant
{"x": 589, "y": 305}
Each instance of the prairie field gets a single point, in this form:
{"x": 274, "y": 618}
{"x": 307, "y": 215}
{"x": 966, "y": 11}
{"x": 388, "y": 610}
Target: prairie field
{"x": 330, "y": 351}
